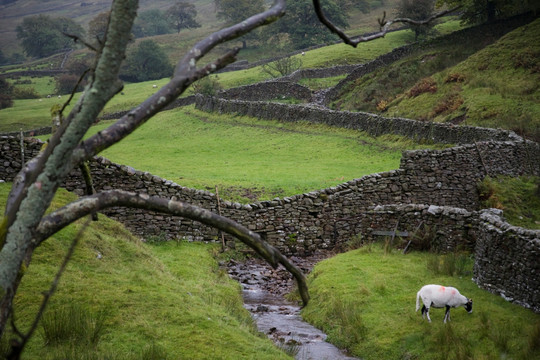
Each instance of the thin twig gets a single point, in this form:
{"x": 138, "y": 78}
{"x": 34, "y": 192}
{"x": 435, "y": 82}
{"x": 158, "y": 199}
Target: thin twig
{"x": 219, "y": 213}
{"x": 74, "y": 90}
{"x": 77, "y": 38}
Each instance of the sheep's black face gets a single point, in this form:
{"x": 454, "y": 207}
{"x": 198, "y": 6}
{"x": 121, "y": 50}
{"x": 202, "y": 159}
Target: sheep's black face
{"x": 468, "y": 306}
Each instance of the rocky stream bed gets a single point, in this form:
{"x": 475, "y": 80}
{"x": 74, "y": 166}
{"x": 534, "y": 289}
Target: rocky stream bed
{"x": 264, "y": 290}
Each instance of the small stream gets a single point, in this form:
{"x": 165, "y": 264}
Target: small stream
{"x": 264, "y": 291}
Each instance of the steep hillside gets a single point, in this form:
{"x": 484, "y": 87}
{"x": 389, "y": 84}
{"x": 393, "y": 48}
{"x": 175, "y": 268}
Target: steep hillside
{"x": 167, "y": 301}
{"x": 461, "y": 80}
{"x": 498, "y": 86}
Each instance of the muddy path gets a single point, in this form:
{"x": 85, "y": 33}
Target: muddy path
{"x": 264, "y": 291}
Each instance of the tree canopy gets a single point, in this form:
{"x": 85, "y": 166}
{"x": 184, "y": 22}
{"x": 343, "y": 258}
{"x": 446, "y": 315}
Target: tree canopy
{"x": 303, "y": 27}
{"x": 42, "y": 35}
{"x": 234, "y": 11}
{"x": 150, "y": 23}
{"x": 147, "y": 62}
{"x": 417, "y": 10}
{"x": 98, "y": 26}
{"x": 479, "y": 11}
{"x": 182, "y": 16}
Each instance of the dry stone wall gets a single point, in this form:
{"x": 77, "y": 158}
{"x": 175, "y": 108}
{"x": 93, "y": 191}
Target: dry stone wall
{"x": 507, "y": 258}
{"x": 267, "y": 90}
{"x": 373, "y": 124}
{"x": 327, "y": 218}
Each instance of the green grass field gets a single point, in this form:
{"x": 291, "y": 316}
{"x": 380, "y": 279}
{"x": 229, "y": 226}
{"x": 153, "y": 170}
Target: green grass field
{"x": 163, "y": 301}
{"x": 249, "y": 158}
{"x": 365, "y": 301}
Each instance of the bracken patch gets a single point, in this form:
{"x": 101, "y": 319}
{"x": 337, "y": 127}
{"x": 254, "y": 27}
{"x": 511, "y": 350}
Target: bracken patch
{"x": 423, "y": 86}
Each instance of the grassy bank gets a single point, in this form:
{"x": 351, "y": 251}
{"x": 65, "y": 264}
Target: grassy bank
{"x": 365, "y": 301}
{"x": 518, "y": 197}
{"x": 253, "y": 159}
{"x": 134, "y": 301}
{"x": 463, "y": 82}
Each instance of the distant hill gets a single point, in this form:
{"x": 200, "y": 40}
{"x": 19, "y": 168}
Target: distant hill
{"x": 82, "y": 12}
{"x": 467, "y": 82}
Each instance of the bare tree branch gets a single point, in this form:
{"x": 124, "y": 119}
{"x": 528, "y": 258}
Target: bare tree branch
{"x": 185, "y": 74}
{"x": 64, "y": 216}
{"x": 46, "y": 175}
{"x": 139, "y": 115}
{"x": 385, "y": 25}
{"x": 76, "y": 38}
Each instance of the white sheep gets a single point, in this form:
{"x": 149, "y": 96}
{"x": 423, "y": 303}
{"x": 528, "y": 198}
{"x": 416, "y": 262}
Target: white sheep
{"x": 438, "y": 296}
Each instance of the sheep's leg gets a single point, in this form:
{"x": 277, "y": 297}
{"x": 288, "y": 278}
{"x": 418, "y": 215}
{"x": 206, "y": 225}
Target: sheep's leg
{"x": 447, "y": 314}
{"x": 423, "y": 312}
{"x": 427, "y": 313}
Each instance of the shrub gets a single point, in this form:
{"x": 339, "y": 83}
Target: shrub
{"x": 423, "y": 86}
{"x": 454, "y": 77}
{"x": 67, "y": 82}
{"x": 25, "y": 93}
{"x": 6, "y": 94}
{"x": 208, "y": 86}
{"x": 422, "y": 238}
{"x": 382, "y": 105}
{"x": 449, "y": 103}
{"x": 282, "y": 67}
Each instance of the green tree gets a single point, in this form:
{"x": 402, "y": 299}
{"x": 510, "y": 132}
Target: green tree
{"x": 235, "y": 11}
{"x": 147, "y": 62}
{"x": 97, "y": 27}
{"x": 363, "y": 5}
{"x": 182, "y": 16}
{"x": 6, "y": 94}
{"x": 303, "y": 27}
{"x": 66, "y": 83}
{"x": 3, "y": 58}
{"x": 480, "y": 11}
{"x": 42, "y": 35}
{"x": 417, "y": 10}
{"x": 150, "y": 23}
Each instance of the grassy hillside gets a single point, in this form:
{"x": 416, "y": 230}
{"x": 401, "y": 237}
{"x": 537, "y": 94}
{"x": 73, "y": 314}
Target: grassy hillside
{"x": 250, "y": 158}
{"x": 80, "y": 12}
{"x": 34, "y": 113}
{"x": 167, "y": 301}
{"x": 365, "y": 301}
{"x": 463, "y": 82}
{"x": 498, "y": 86}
